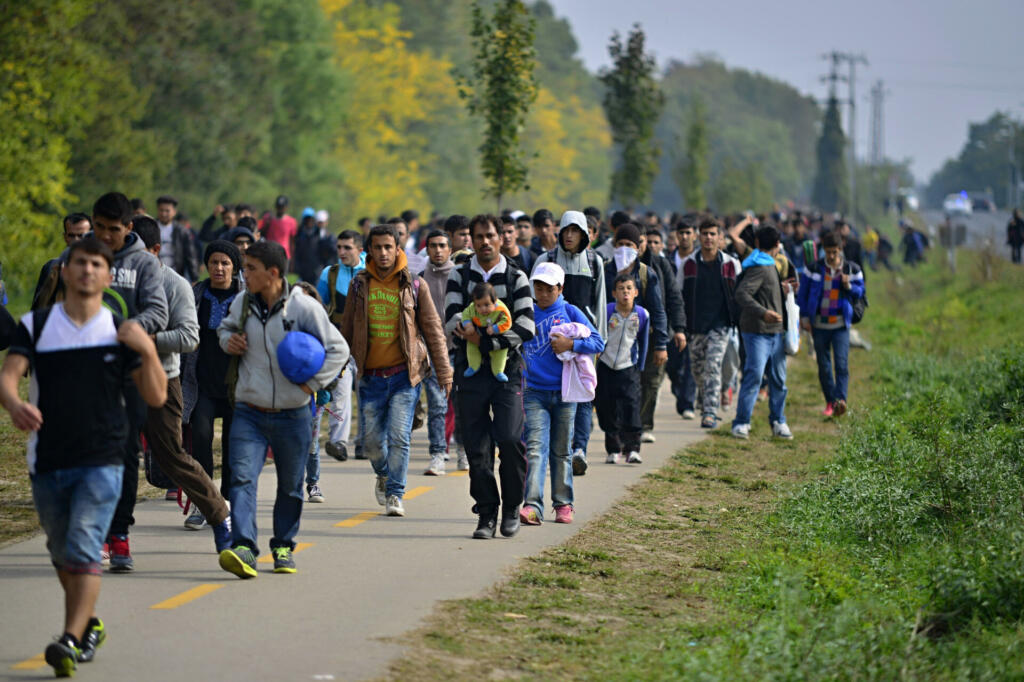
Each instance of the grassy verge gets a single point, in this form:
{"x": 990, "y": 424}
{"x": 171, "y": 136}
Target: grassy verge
{"x": 888, "y": 546}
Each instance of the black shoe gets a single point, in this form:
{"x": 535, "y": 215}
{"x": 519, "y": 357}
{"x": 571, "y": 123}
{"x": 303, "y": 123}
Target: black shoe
{"x": 486, "y": 526}
{"x": 95, "y": 635}
{"x": 510, "y": 522}
{"x": 337, "y": 450}
{"x": 62, "y": 656}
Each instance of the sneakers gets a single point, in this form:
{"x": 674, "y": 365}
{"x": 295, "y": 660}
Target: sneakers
{"x": 120, "y": 555}
{"x": 528, "y": 516}
{"x": 195, "y": 520}
{"x": 563, "y": 514}
{"x": 781, "y": 430}
{"x": 708, "y": 422}
{"x": 105, "y": 554}
{"x": 647, "y": 437}
{"x": 840, "y": 408}
{"x": 394, "y": 506}
{"x": 502, "y": 377}
{"x": 241, "y": 561}
{"x": 463, "y": 459}
{"x": 727, "y": 397}
{"x": 829, "y": 410}
{"x": 380, "y": 489}
{"x": 762, "y": 395}
{"x": 612, "y": 458}
{"x": 284, "y": 560}
{"x": 634, "y": 458}
{"x": 579, "y": 463}
{"x": 62, "y": 655}
{"x": 436, "y": 467}
{"x": 314, "y": 494}
{"x": 222, "y": 535}
{"x": 688, "y": 414}
{"x": 171, "y": 495}
{"x": 469, "y": 372}
{"x": 337, "y": 450}
{"x": 741, "y": 431}
{"x": 95, "y": 635}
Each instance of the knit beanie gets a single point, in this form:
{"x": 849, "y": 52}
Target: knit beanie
{"x": 628, "y": 231}
{"x": 227, "y": 248}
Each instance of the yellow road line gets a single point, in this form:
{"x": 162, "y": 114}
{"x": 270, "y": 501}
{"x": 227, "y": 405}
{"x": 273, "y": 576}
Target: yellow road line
{"x": 416, "y": 492}
{"x": 187, "y": 596}
{"x": 354, "y": 521}
{"x": 34, "y": 663}
{"x": 269, "y": 558}
{"x": 459, "y": 473}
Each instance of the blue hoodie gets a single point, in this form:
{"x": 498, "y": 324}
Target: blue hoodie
{"x": 542, "y": 367}
{"x": 345, "y": 277}
{"x": 758, "y": 257}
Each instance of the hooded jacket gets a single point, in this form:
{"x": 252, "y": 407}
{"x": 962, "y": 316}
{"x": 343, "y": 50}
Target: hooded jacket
{"x": 420, "y": 331}
{"x": 260, "y": 380}
{"x": 584, "y": 272}
{"x": 812, "y": 287}
{"x": 543, "y": 369}
{"x": 436, "y": 277}
{"x": 730, "y": 269}
{"x": 182, "y": 332}
{"x": 758, "y": 291}
{"x": 345, "y": 276}
{"x": 671, "y": 295}
{"x": 137, "y": 289}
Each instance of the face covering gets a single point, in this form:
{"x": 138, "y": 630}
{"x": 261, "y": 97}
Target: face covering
{"x": 624, "y": 257}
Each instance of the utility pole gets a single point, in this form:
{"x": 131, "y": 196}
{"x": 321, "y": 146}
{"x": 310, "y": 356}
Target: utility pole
{"x": 852, "y": 61}
{"x": 833, "y": 75}
{"x": 878, "y": 93}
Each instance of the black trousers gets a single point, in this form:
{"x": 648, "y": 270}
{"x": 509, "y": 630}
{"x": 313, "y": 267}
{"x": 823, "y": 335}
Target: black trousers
{"x": 490, "y": 414}
{"x": 124, "y": 513}
{"x": 650, "y": 384}
{"x": 206, "y": 410}
{"x": 618, "y": 407}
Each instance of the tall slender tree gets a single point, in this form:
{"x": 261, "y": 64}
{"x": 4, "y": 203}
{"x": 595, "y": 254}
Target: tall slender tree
{"x": 633, "y": 101}
{"x": 501, "y": 90}
{"x": 830, "y": 183}
{"x": 696, "y": 169}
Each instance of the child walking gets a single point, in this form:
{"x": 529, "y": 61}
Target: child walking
{"x": 493, "y": 317}
{"x": 549, "y": 415}
{"x": 618, "y": 373}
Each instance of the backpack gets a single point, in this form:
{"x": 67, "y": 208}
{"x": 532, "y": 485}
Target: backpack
{"x": 232, "y": 376}
{"x": 332, "y": 287}
{"x": 860, "y": 303}
{"x": 591, "y": 261}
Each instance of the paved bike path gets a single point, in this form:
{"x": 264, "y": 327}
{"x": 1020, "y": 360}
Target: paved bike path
{"x": 362, "y": 577}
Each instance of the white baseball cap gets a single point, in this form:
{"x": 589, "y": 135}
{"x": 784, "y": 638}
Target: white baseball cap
{"x": 322, "y": 216}
{"x": 549, "y": 273}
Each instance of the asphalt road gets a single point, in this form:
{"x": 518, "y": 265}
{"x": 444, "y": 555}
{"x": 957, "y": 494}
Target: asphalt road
{"x": 981, "y": 228}
{"x": 362, "y": 579}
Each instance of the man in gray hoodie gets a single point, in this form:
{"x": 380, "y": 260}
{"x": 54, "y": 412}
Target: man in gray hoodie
{"x": 584, "y": 288}
{"x": 137, "y": 293}
{"x": 270, "y": 408}
{"x": 163, "y": 424}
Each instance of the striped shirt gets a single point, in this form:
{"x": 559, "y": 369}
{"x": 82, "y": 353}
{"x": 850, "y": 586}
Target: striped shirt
{"x": 511, "y": 286}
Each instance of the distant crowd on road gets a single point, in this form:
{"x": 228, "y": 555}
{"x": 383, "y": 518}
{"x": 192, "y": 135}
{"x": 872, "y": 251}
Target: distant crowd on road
{"x": 515, "y": 329}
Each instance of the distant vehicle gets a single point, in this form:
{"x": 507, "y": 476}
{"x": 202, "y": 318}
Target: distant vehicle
{"x": 982, "y": 205}
{"x": 910, "y": 201}
{"x": 957, "y": 204}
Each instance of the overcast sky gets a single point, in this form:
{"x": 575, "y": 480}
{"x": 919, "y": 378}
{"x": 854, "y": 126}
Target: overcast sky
{"x": 945, "y": 63}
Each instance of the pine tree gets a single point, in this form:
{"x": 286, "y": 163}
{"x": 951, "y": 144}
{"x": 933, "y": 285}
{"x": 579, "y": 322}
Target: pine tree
{"x": 633, "y": 101}
{"x": 697, "y": 168}
{"x": 830, "y": 184}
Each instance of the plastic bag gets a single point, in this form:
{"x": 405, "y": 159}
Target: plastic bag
{"x": 792, "y": 325}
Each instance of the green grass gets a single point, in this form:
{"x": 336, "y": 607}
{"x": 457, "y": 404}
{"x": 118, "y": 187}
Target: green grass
{"x": 888, "y": 546}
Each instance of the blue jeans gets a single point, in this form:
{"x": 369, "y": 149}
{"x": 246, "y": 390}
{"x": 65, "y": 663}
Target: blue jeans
{"x": 437, "y": 409}
{"x": 549, "y": 424}
{"x": 75, "y": 507}
{"x": 583, "y": 425}
{"x": 763, "y": 350}
{"x": 387, "y": 406}
{"x": 289, "y": 434}
{"x": 313, "y": 463}
{"x": 827, "y": 342}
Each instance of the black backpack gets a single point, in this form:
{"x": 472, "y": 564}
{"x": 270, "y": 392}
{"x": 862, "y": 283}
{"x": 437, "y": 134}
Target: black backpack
{"x": 860, "y": 303}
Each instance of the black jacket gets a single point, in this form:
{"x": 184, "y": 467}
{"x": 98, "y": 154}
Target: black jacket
{"x": 670, "y": 293}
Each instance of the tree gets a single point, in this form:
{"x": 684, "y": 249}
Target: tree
{"x": 830, "y": 184}
{"x": 695, "y": 168}
{"x": 983, "y": 163}
{"x": 500, "y": 91}
{"x": 633, "y": 101}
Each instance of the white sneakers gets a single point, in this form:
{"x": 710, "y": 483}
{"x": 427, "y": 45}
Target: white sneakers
{"x": 612, "y": 458}
{"x": 634, "y": 458}
{"x": 689, "y": 414}
{"x": 647, "y": 437}
{"x": 394, "y": 506}
{"x": 436, "y": 467}
{"x": 380, "y": 489}
{"x": 781, "y": 430}
{"x": 741, "y": 431}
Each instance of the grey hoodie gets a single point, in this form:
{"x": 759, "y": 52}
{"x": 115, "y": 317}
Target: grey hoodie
{"x": 260, "y": 381}
{"x": 576, "y": 265}
{"x": 182, "y": 331}
{"x": 436, "y": 277}
{"x": 139, "y": 284}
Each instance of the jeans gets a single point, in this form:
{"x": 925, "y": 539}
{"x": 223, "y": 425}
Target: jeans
{"x": 549, "y": 424}
{"x": 313, "y": 462}
{"x": 838, "y": 342}
{"x": 206, "y": 410}
{"x": 437, "y": 410}
{"x": 680, "y": 374}
{"x": 386, "y": 409}
{"x": 75, "y": 507}
{"x": 763, "y": 350}
{"x": 583, "y": 426}
{"x": 340, "y": 430}
{"x": 288, "y": 433}
{"x": 124, "y": 514}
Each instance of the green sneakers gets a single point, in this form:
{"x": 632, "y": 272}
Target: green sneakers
{"x": 239, "y": 560}
{"x": 62, "y": 656}
{"x": 284, "y": 562}
{"x": 95, "y": 635}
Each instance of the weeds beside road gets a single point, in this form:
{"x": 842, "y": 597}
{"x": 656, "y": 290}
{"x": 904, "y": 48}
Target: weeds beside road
{"x": 888, "y": 546}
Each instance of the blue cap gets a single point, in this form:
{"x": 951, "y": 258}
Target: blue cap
{"x": 300, "y": 356}
{"x": 308, "y": 212}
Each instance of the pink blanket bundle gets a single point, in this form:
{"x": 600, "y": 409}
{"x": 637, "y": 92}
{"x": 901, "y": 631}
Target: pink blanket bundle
{"x": 579, "y": 378}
